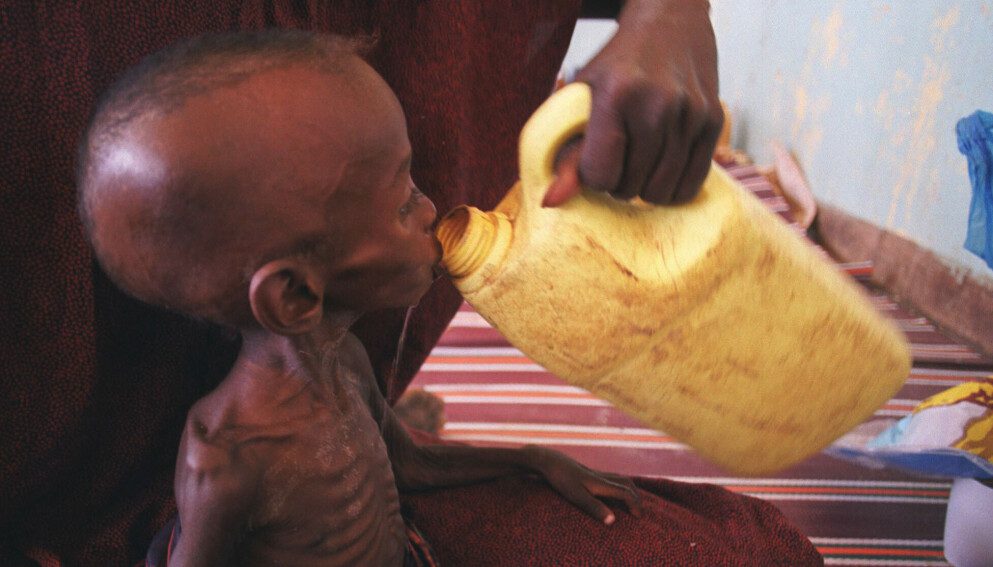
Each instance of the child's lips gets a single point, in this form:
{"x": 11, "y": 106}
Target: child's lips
{"x": 436, "y": 268}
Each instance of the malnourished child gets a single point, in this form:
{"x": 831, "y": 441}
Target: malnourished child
{"x": 262, "y": 181}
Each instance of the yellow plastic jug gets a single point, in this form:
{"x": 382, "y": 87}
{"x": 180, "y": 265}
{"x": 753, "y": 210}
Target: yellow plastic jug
{"x": 710, "y": 321}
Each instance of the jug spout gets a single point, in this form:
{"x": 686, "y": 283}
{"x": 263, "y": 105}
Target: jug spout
{"x": 471, "y": 240}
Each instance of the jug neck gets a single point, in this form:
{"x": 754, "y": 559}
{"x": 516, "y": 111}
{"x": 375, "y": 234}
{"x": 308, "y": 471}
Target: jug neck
{"x": 471, "y": 238}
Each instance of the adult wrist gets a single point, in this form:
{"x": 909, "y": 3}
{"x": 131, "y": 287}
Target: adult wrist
{"x": 642, "y": 19}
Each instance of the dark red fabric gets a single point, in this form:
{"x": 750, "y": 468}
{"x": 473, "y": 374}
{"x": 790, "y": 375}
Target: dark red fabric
{"x": 418, "y": 552}
{"x": 520, "y": 521}
{"x": 95, "y": 385}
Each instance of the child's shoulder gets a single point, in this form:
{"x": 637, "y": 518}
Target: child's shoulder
{"x": 214, "y": 471}
{"x": 232, "y": 414}
{"x": 213, "y": 421}
{"x": 224, "y": 425}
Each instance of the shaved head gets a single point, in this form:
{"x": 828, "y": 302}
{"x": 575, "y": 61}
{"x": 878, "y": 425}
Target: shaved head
{"x": 216, "y": 155}
{"x": 165, "y": 80}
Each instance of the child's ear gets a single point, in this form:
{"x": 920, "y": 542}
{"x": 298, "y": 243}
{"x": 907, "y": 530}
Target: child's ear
{"x": 287, "y": 297}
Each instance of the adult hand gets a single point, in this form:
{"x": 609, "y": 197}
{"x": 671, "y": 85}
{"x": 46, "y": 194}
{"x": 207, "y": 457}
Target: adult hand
{"x": 582, "y": 486}
{"x": 656, "y": 113}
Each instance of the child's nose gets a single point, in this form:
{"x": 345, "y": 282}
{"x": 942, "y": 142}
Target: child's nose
{"x": 428, "y": 212}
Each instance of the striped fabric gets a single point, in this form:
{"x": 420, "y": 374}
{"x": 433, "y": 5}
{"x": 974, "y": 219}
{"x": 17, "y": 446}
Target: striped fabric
{"x": 496, "y": 396}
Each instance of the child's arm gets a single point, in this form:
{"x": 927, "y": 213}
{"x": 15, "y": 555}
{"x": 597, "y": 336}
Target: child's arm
{"x": 419, "y": 467}
{"x": 431, "y": 466}
{"x": 214, "y": 492}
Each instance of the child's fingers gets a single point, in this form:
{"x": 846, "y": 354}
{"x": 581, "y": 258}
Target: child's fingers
{"x": 620, "y": 488}
{"x": 588, "y": 503}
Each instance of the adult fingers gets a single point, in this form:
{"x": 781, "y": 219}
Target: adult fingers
{"x": 683, "y": 127}
{"x": 695, "y": 172}
{"x": 646, "y": 118}
{"x": 588, "y": 503}
{"x": 697, "y": 165}
{"x": 566, "y": 184}
{"x": 602, "y": 160}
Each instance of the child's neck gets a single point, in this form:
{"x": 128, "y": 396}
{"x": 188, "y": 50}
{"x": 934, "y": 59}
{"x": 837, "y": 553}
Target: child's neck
{"x": 307, "y": 356}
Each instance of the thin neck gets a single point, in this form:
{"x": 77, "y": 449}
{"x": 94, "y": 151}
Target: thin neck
{"x": 306, "y": 355}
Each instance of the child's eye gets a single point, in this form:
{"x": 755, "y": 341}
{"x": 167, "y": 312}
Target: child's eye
{"x": 415, "y": 196}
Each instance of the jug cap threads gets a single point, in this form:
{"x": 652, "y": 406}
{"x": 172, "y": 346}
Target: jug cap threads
{"x": 470, "y": 237}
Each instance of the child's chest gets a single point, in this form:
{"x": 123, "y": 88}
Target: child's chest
{"x": 331, "y": 483}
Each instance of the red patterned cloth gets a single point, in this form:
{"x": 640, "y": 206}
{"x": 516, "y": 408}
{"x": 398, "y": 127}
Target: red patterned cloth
{"x": 417, "y": 553}
{"x": 520, "y": 521}
{"x": 96, "y": 386}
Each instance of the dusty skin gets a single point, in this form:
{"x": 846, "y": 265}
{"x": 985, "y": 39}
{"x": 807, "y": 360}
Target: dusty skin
{"x": 295, "y": 459}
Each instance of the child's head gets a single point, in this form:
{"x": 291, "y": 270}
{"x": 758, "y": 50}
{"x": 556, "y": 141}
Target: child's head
{"x": 257, "y": 178}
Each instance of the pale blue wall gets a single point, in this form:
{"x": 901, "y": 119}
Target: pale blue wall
{"x": 587, "y": 39}
{"x": 867, "y": 94}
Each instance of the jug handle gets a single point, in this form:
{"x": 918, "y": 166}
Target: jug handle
{"x": 557, "y": 121}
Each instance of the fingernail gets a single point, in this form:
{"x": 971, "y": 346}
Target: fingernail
{"x": 553, "y": 188}
{"x": 609, "y": 519}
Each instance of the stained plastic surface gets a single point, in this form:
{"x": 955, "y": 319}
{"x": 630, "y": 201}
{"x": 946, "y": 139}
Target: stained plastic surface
{"x": 712, "y": 321}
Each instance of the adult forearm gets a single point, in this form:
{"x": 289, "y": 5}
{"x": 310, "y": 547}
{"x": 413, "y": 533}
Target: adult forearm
{"x": 641, "y": 18}
{"x": 614, "y": 8}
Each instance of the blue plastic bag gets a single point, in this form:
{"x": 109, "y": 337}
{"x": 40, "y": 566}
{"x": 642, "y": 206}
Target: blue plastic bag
{"x": 950, "y": 434}
{"x": 975, "y": 134}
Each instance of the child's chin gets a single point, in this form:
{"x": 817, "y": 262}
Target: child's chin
{"x": 417, "y": 294}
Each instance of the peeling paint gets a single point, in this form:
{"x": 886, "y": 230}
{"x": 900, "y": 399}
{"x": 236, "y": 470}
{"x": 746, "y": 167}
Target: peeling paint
{"x": 880, "y": 12}
{"x": 800, "y": 100}
{"x": 823, "y": 49}
{"x": 883, "y": 109}
{"x": 942, "y": 26}
{"x": 921, "y": 134}
{"x": 778, "y": 83}
{"x": 813, "y": 135}
{"x": 933, "y": 187}
{"x": 922, "y": 143}
{"x": 867, "y": 94}
{"x": 832, "y": 35}
{"x": 948, "y": 21}
{"x": 901, "y": 80}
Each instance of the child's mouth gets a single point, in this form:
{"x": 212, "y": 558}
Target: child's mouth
{"x": 436, "y": 268}
{"x": 437, "y": 271}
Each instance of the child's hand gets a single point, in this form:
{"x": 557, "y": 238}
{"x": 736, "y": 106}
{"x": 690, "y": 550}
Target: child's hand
{"x": 582, "y": 486}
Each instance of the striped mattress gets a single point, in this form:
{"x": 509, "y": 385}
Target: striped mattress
{"x": 495, "y": 396}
